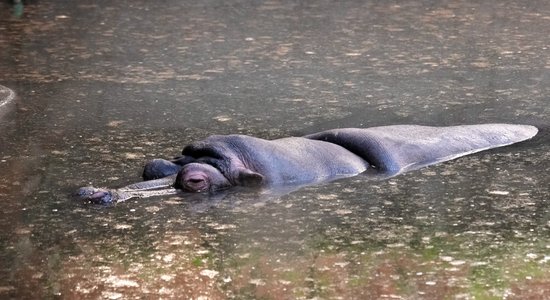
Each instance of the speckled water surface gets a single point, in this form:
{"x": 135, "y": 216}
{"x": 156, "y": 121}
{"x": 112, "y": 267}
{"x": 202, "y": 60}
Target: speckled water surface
{"x": 102, "y": 86}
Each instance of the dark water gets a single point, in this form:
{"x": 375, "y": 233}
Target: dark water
{"x": 102, "y": 86}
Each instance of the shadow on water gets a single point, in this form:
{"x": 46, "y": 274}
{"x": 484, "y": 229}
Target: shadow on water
{"x": 103, "y": 86}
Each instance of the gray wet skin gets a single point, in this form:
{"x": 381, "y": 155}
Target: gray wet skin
{"x": 220, "y": 162}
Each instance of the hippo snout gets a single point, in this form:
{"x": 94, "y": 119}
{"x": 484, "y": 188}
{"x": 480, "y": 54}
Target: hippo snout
{"x": 200, "y": 177}
{"x": 195, "y": 181}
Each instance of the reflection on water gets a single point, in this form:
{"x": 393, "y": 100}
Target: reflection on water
{"x": 104, "y": 86}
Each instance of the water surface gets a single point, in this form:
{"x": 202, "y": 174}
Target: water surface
{"x": 102, "y": 86}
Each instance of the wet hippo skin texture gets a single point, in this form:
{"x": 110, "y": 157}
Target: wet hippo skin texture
{"x": 222, "y": 161}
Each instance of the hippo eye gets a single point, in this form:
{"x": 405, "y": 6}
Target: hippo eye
{"x": 196, "y": 180}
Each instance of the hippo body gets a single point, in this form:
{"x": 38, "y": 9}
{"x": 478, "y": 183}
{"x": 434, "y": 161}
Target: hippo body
{"x": 219, "y": 162}
{"x": 246, "y": 160}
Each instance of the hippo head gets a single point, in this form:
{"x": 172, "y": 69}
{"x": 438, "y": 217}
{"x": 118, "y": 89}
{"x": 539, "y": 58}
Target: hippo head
{"x": 201, "y": 177}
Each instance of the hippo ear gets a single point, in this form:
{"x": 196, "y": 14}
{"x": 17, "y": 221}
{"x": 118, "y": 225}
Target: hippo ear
{"x": 247, "y": 177}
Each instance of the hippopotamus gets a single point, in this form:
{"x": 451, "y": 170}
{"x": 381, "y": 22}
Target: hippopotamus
{"x": 220, "y": 162}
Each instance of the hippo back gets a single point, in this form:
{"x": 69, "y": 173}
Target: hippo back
{"x": 399, "y": 148}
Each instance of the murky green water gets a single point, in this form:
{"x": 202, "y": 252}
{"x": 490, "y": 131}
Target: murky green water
{"x": 102, "y": 86}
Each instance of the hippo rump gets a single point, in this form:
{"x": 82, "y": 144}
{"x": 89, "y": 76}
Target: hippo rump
{"x": 223, "y": 161}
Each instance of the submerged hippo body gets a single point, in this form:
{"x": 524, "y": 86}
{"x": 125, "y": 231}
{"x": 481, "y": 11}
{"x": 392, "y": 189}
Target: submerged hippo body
{"x": 249, "y": 161}
{"x": 220, "y": 162}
